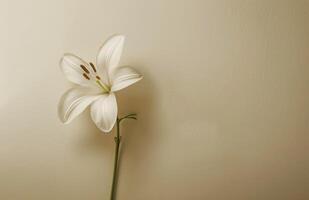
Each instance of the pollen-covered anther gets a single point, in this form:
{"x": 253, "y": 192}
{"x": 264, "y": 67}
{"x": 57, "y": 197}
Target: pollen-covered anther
{"x": 93, "y": 67}
{"x": 85, "y": 69}
{"x": 98, "y": 77}
{"x": 86, "y": 76}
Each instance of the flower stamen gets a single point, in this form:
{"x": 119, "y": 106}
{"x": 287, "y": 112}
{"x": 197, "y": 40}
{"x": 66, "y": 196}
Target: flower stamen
{"x": 93, "y": 67}
{"x": 85, "y": 69}
{"x": 86, "y": 76}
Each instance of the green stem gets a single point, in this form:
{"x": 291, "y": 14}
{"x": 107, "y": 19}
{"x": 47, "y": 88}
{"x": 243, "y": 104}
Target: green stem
{"x": 117, "y": 139}
{"x": 116, "y": 158}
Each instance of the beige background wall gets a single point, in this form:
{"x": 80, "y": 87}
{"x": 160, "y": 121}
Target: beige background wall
{"x": 223, "y": 108}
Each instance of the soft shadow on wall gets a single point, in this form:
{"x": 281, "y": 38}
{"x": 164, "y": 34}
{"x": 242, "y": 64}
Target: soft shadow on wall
{"x": 138, "y": 136}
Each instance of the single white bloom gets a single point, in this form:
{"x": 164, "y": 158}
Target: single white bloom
{"x": 95, "y": 85}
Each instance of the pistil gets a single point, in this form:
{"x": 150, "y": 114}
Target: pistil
{"x": 103, "y": 86}
{"x": 87, "y": 75}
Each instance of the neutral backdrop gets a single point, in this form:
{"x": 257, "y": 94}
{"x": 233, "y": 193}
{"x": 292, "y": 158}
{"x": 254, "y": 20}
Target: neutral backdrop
{"x": 223, "y": 107}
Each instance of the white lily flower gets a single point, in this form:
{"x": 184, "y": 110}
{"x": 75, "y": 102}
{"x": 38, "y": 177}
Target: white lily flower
{"x": 96, "y": 85}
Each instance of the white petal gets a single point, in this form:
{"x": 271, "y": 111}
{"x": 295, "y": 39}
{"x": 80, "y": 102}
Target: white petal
{"x": 73, "y": 102}
{"x": 70, "y": 65}
{"x": 109, "y": 55}
{"x": 104, "y": 112}
{"x": 124, "y": 77}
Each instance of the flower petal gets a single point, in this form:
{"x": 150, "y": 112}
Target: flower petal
{"x": 124, "y": 77}
{"x": 109, "y": 55}
{"x": 104, "y": 112}
{"x": 73, "y": 102}
{"x": 70, "y": 65}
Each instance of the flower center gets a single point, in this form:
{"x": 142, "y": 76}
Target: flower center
{"x": 93, "y": 76}
{"x": 104, "y": 87}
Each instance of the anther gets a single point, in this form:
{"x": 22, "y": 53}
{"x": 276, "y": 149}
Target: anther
{"x": 93, "y": 67}
{"x": 86, "y": 76}
{"x": 85, "y": 69}
{"x": 98, "y": 77}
